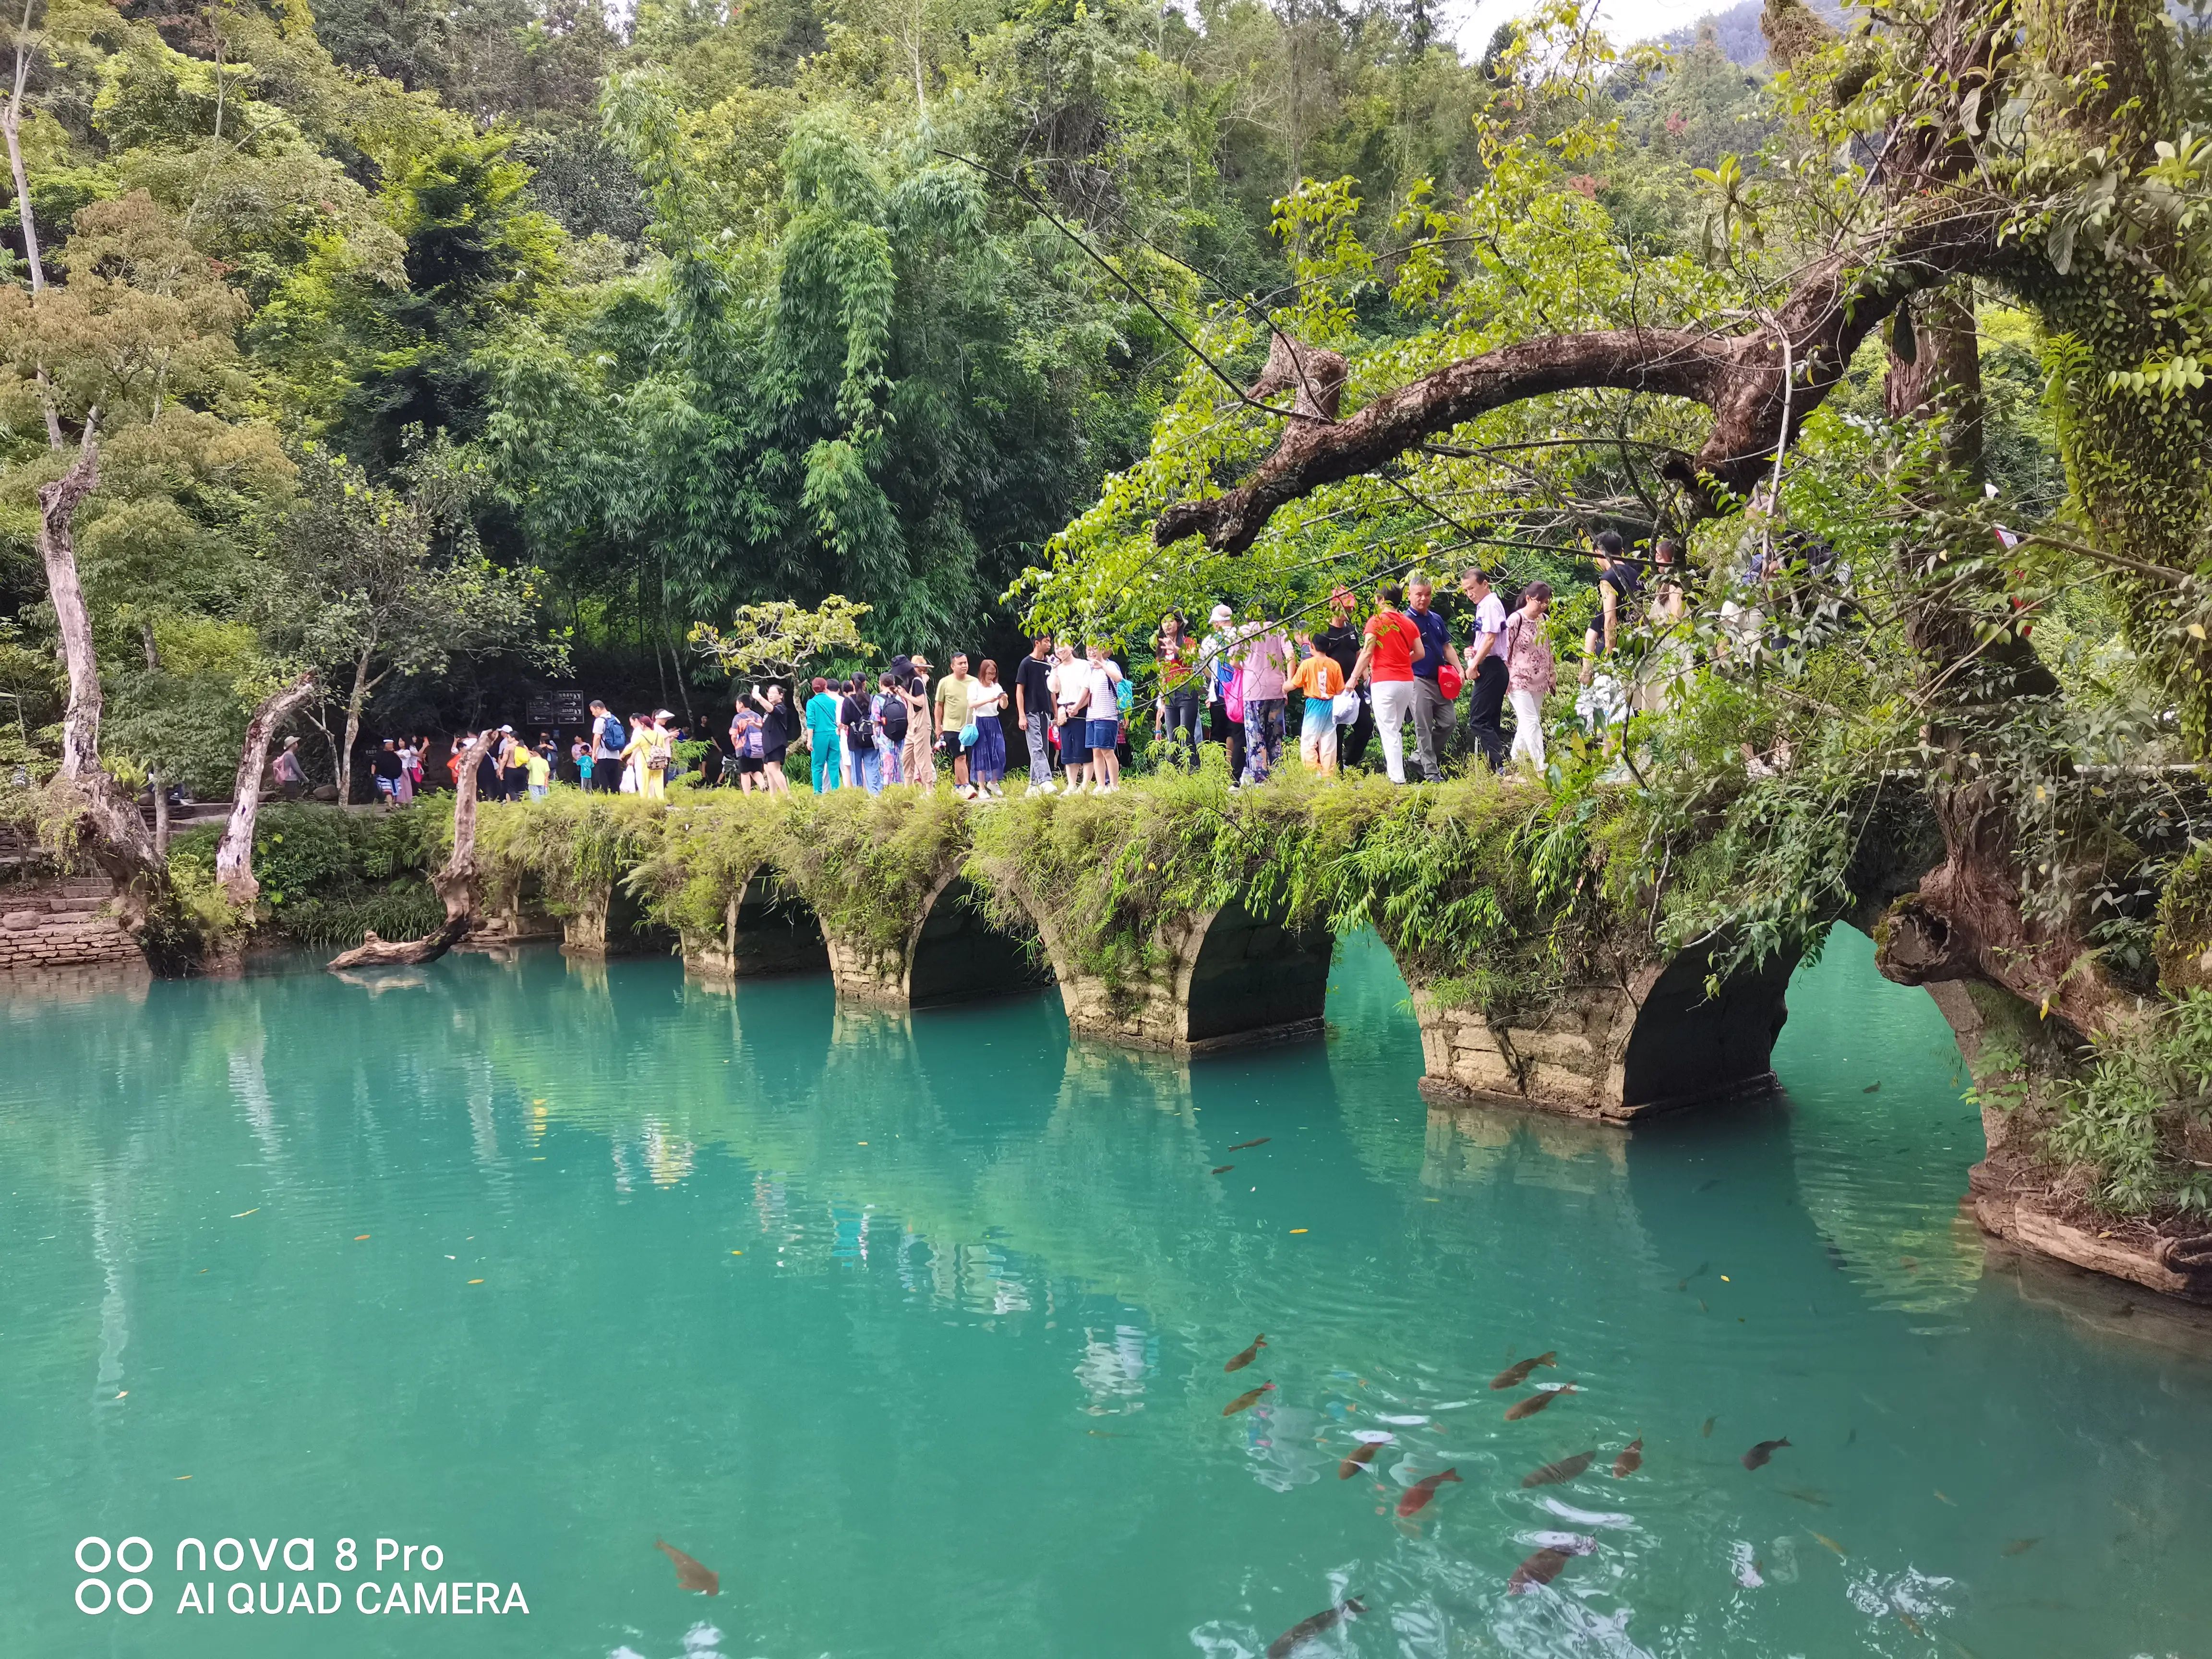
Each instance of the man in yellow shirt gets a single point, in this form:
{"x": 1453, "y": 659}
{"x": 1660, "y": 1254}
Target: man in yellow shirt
{"x": 954, "y": 693}
{"x": 1321, "y": 679}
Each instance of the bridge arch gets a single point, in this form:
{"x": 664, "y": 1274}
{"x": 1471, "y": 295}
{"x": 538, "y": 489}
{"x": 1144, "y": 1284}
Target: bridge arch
{"x": 1248, "y": 974}
{"x": 956, "y": 953}
{"x": 1685, "y": 1046}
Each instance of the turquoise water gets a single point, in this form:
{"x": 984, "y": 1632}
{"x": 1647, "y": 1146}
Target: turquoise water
{"x": 914, "y": 1331}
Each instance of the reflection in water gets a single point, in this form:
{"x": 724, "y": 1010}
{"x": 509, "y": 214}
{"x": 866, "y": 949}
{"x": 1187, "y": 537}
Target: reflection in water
{"x": 924, "y": 1320}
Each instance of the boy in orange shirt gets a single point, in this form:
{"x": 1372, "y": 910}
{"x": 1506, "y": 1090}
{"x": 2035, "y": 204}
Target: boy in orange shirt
{"x": 1321, "y": 679}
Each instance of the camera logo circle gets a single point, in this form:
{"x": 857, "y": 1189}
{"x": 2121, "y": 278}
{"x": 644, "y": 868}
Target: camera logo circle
{"x": 94, "y": 1596}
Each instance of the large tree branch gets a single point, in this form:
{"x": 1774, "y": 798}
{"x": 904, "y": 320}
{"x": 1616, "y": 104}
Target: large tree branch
{"x": 1761, "y": 385}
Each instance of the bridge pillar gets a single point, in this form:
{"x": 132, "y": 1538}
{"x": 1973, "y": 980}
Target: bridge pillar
{"x": 1653, "y": 1042}
{"x": 603, "y": 919}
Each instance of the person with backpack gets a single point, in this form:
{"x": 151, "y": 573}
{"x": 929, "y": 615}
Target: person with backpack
{"x": 1618, "y": 579}
{"x": 856, "y": 722}
{"x": 606, "y": 749}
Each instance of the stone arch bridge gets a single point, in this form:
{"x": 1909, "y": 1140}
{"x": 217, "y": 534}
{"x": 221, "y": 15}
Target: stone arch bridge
{"x": 1637, "y": 1036}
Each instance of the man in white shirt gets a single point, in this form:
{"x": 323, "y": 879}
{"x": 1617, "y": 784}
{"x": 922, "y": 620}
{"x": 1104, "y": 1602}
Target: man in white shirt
{"x": 1485, "y": 668}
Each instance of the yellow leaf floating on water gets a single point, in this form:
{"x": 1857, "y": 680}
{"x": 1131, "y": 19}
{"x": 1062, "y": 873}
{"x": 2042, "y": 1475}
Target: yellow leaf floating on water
{"x": 476, "y": 1281}
{"x": 1298, "y": 1229}
{"x": 242, "y": 1214}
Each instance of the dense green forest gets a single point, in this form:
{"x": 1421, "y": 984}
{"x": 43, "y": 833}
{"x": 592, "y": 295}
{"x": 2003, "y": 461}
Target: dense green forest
{"x": 450, "y": 348}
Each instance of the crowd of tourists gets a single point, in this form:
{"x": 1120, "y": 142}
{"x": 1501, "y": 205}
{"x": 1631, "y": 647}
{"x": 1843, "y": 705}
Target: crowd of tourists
{"x": 1066, "y": 708}
{"x": 1391, "y": 669}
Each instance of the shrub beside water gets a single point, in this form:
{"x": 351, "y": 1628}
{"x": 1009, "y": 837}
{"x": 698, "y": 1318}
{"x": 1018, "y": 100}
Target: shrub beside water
{"x": 327, "y": 877}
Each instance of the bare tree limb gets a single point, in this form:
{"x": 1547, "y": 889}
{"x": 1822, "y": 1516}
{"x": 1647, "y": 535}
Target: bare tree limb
{"x": 234, "y": 854}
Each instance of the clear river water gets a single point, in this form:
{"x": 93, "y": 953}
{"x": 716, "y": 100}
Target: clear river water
{"x": 913, "y": 1331}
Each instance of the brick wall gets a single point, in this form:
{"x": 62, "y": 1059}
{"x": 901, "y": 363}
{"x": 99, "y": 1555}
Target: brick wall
{"x": 59, "y": 924}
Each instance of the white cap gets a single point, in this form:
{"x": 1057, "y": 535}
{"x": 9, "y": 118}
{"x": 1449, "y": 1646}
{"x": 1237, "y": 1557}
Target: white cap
{"x": 509, "y": 730}
{"x": 1222, "y": 613}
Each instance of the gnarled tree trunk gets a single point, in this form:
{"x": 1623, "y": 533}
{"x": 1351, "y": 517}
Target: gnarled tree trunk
{"x": 456, "y": 884}
{"x": 234, "y": 854}
{"x": 108, "y": 828}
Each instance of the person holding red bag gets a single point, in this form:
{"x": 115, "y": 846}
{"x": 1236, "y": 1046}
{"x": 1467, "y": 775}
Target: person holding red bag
{"x": 1433, "y": 706}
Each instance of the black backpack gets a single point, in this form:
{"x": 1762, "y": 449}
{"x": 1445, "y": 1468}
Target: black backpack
{"x": 895, "y": 717}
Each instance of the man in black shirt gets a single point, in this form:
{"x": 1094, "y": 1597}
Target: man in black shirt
{"x": 386, "y": 764}
{"x": 1033, "y": 707}
{"x": 1616, "y": 582}
{"x": 1340, "y": 643}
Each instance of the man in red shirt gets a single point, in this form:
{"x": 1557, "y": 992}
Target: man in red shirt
{"x": 1390, "y": 647}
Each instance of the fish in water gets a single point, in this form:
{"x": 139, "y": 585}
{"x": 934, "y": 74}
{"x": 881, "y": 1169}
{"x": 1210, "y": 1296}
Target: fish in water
{"x": 1824, "y": 1539}
{"x": 1542, "y": 1568}
{"x": 1911, "y": 1623}
{"x": 1837, "y": 1259}
{"x": 1707, "y": 1186}
{"x": 1872, "y": 1087}
{"x": 1804, "y": 1496}
{"x": 1536, "y": 1402}
{"x": 1244, "y": 1400}
{"x": 1629, "y": 1461}
{"x": 1707, "y": 1431}
{"x": 1552, "y": 1474}
{"x": 1702, "y": 1308}
{"x": 1757, "y": 1457}
{"x": 1223, "y": 1169}
{"x": 1250, "y": 1354}
{"x": 2021, "y": 1545}
{"x": 1358, "y": 1458}
{"x": 1418, "y": 1494}
{"x": 1247, "y": 1146}
{"x": 1306, "y": 1628}
{"x": 689, "y": 1575}
{"x": 1517, "y": 1373}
